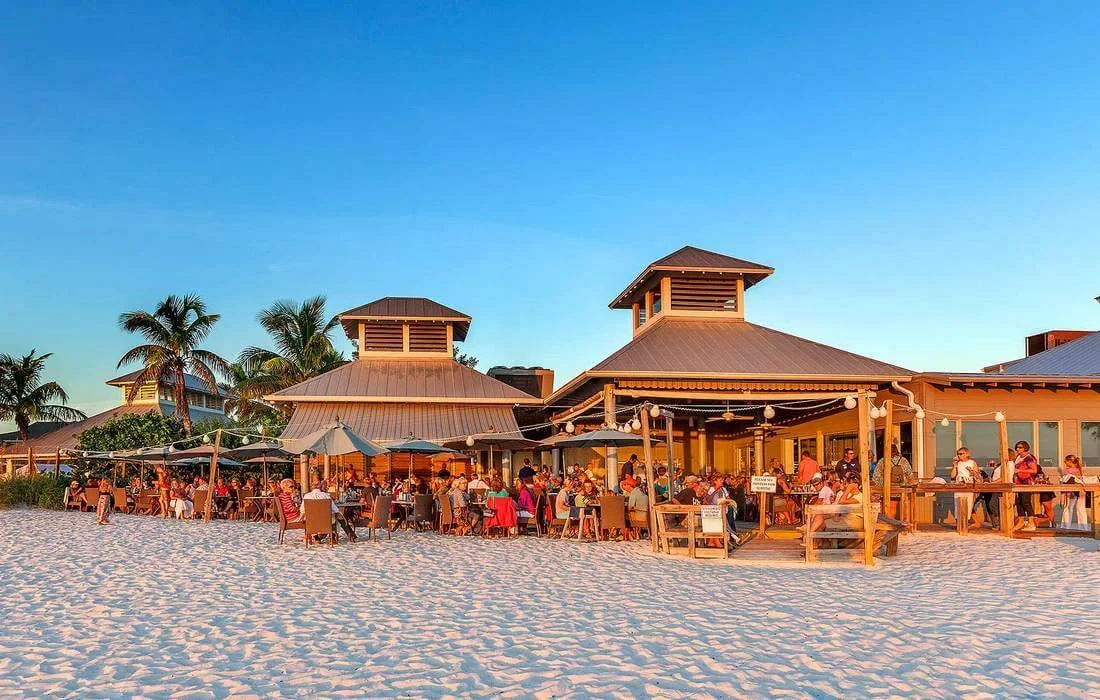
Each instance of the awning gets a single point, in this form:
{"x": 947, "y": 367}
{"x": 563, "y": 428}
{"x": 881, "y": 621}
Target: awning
{"x": 389, "y": 422}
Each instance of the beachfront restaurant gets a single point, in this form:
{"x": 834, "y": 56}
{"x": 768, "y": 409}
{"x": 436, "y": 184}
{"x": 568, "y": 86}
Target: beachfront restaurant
{"x": 736, "y": 397}
{"x": 405, "y": 383}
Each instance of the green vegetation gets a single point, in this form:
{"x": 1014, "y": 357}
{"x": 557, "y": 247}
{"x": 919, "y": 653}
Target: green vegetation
{"x": 37, "y": 491}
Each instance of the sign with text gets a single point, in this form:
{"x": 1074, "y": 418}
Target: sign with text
{"x": 712, "y": 519}
{"x": 762, "y": 484}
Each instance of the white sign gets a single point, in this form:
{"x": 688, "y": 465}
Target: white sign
{"x": 712, "y": 520}
{"x": 762, "y": 484}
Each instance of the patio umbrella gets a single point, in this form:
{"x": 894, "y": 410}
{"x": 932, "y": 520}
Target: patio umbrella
{"x": 414, "y": 446}
{"x": 263, "y": 453}
{"x": 204, "y": 461}
{"x": 597, "y": 438}
{"x": 334, "y": 439}
{"x": 502, "y": 441}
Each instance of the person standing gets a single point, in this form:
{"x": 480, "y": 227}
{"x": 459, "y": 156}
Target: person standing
{"x": 964, "y": 470}
{"x": 848, "y": 464}
{"x": 1074, "y": 505}
{"x": 1025, "y": 467}
{"x": 807, "y": 467}
{"x": 103, "y": 506}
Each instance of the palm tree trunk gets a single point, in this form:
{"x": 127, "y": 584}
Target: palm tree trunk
{"x": 182, "y": 410}
{"x": 24, "y": 425}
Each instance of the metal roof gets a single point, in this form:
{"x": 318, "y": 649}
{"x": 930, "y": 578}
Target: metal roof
{"x": 64, "y": 438}
{"x": 1075, "y": 358}
{"x": 190, "y": 381}
{"x": 402, "y": 309}
{"x": 723, "y": 348}
{"x": 418, "y": 381}
{"x": 387, "y": 422}
{"x": 692, "y": 259}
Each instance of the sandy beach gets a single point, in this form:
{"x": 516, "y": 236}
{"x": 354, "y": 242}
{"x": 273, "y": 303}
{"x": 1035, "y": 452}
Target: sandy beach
{"x": 180, "y": 609}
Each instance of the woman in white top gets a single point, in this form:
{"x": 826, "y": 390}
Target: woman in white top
{"x": 965, "y": 470}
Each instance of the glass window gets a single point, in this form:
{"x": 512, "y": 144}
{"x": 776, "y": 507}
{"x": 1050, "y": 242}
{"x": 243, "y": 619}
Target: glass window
{"x": 945, "y": 448}
{"x": 1048, "y": 447}
{"x": 656, "y": 302}
{"x": 1022, "y": 430}
{"x": 1090, "y": 443}
{"x": 983, "y": 439}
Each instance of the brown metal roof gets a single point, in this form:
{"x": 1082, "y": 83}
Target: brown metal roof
{"x": 736, "y": 349}
{"x": 405, "y": 308}
{"x": 692, "y": 259}
{"x": 64, "y": 438}
{"x": 190, "y": 381}
{"x": 417, "y": 381}
{"x": 396, "y": 421}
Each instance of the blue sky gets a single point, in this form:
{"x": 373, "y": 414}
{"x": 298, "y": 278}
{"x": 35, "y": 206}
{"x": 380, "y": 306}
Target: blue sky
{"x": 922, "y": 177}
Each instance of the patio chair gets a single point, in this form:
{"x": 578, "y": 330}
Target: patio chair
{"x": 122, "y": 500}
{"x": 446, "y": 514}
{"x": 75, "y": 502}
{"x": 523, "y": 524}
{"x": 423, "y": 510}
{"x": 245, "y": 507}
{"x": 503, "y": 515}
{"x": 638, "y": 520}
{"x": 198, "y": 502}
{"x": 318, "y": 520}
{"x": 91, "y": 498}
{"x": 144, "y": 504}
{"x": 612, "y": 514}
{"x": 380, "y": 517}
{"x": 283, "y": 524}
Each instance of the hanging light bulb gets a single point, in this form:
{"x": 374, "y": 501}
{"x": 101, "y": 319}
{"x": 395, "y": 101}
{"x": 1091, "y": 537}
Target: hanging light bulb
{"x": 172, "y": 448}
{"x": 636, "y": 424}
{"x": 874, "y": 412}
{"x": 850, "y": 403}
{"x": 945, "y": 423}
{"x": 654, "y": 411}
{"x": 470, "y": 441}
{"x": 999, "y": 417}
{"x": 245, "y": 440}
{"x": 206, "y": 439}
{"x": 626, "y": 428}
{"x": 769, "y": 412}
{"x": 570, "y": 428}
{"x": 920, "y": 414}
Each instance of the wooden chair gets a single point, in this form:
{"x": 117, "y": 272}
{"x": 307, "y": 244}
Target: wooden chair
{"x": 318, "y": 520}
{"x": 198, "y": 502}
{"x": 75, "y": 502}
{"x": 144, "y": 504}
{"x": 446, "y": 514}
{"x": 423, "y": 510}
{"x": 612, "y": 514}
{"x": 245, "y": 507}
{"x": 91, "y": 498}
{"x": 884, "y": 535}
{"x": 122, "y": 500}
{"x": 380, "y": 517}
{"x": 283, "y": 524}
{"x": 638, "y": 520}
{"x": 524, "y": 524}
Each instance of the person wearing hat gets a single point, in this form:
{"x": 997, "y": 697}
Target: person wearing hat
{"x": 693, "y": 493}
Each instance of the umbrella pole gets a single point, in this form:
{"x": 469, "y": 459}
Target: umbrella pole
{"x": 213, "y": 472}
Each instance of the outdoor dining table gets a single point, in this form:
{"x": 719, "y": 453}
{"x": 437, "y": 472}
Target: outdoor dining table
{"x": 591, "y": 509}
{"x": 261, "y": 512}
{"x": 406, "y": 506}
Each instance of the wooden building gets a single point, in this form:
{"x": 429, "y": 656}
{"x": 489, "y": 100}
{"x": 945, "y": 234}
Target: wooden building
{"x": 404, "y": 383}
{"x": 51, "y": 447}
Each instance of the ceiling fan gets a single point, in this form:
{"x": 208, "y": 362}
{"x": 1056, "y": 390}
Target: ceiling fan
{"x": 767, "y": 429}
{"x": 728, "y": 416}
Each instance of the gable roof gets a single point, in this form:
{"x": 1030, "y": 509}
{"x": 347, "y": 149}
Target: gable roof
{"x": 190, "y": 381}
{"x": 36, "y": 429}
{"x": 404, "y": 380}
{"x": 404, "y": 309}
{"x": 1076, "y": 358}
{"x": 692, "y": 259}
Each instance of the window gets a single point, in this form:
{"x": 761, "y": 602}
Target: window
{"x": 1048, "y": 444}
{"x": 1090, "y": 443}
{"x": 656, "y": 302}
{"x": 946, "y": 440}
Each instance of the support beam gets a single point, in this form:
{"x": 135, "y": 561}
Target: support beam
{"x": 213, "y": 474}
{"x": 303, "y": 463}
{"x": 865, "y": 474}
{"x": 704, "y": 457}
{"x": 756, "y": 397}
{"x": 647, "y": 453}
{"x": 611, "y": 463}
{"x": 1008, "y": 500}
{"x": 888, "y": 459}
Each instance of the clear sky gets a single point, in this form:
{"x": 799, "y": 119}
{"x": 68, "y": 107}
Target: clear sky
{"x": 923, "y": 177}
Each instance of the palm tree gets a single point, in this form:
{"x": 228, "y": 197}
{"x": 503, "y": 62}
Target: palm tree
{"x": 246, "y": 411}
{"x": 25, "y": 398}
{"x": 304, "y": 349}
{"x": 174, "y": 331}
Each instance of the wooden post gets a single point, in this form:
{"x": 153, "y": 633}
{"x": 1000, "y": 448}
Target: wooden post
{"x": 1008, "y": 499}
{"x": 328, "y": 469}
{"x": 611, "y": 462}
{"x": 703, "y": 457}
{"x": 762, "y": 506}
{"x": 647, "y": 452}
{"x": 213, "y": 472}
{"x": 888, "y": 458}
{"x": 57, "y": 464}
{"x": 865, "y": 475}
{"x": 303, "y": 465}
{"x": 31, "y": 468}
{"x": 820, "y": 444}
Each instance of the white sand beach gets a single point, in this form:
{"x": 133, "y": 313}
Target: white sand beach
{"x": 180, "y": 609}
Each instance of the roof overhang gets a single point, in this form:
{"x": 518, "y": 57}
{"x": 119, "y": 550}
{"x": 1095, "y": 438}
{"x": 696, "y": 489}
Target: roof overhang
{"x": 461, "y": 324}
{"x": 1010, "y": 381}
{"x": 506, "y": 401}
